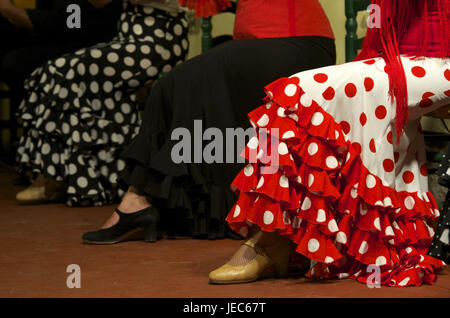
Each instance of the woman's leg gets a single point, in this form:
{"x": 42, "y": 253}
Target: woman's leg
{"x": 131, "y": 202}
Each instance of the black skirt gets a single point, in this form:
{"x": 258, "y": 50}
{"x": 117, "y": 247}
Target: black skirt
{"x": 218, "y": 88}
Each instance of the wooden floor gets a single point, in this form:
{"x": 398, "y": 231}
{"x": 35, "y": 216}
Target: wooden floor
{"x": 37, "y": 243}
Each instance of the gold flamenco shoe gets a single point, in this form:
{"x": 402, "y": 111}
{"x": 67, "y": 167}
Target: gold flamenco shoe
{"x": 50, "y": 191}
{"x": 275, "y": 256}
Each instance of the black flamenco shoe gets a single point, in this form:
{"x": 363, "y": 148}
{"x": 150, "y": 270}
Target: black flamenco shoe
{"x": 130, "y": 226}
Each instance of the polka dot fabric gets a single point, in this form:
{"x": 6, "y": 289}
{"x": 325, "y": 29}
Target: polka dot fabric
{"x": 342, "y": 190}
{"x": 81, "y": 110}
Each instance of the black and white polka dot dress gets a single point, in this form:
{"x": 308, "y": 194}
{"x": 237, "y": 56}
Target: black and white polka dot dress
{"x": 80, "y": 109}
{"x": 440, "y": 246}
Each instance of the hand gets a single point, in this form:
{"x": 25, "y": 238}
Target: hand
{"x": 4, "y": 4}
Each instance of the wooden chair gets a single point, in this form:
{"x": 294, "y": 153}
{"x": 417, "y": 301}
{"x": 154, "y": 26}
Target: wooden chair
{"x": 207, "y": 40}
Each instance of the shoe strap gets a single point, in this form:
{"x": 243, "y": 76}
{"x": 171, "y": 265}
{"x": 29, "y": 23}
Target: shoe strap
{"x": 139, "y": 211}
{"x": 259, "y": 250}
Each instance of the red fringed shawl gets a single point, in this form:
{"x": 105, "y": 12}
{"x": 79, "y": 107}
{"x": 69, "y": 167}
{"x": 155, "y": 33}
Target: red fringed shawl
{"x": 397, "y": 19}
{"x": 205, "y": 8}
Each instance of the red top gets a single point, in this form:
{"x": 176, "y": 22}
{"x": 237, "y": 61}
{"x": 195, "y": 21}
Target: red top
{"x": 280, "y": 18}
{"x": 408, "y": 43}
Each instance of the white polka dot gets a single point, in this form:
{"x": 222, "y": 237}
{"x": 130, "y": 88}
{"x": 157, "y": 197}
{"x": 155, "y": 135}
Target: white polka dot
{"x": 317, "y": 119}
{"x": 50, "y": 126}
{"x": 408, "y": 250}
{"x": 60, "y": 62}
{"x": 177, "y": 29}
{"x": 248, "y": 170}
{"x": 341, "y": 238}
{"x": 260, "y": 183}
{"x": 329, "y": 260}
{"x": 332, "y": 226}
{"x": 364, "y": 247}
{"x": 321, "y": 216}
{"x": 125, "y": 27}
{"x": 51, "y": 170}
{"x": 149, "y": 21}
{"x": 55, "y": 158}
{"x": 404, "y": 282}
{"x": 268, "y": 217}
{"x": 112, "y": 57}
{"x": 237, "y": 211}
{"x": 253, "y": 143}
{"x": 82, "y": 182}
{"x": 377, "y": 224}
{"x": 354, "y": 193}
{"x": 310, "y": 180}
{"x": 283, "y": 148}
{"x": 389, "y": 231}
{"x": 288, "y": 134}
{"x": 293, "y": 116}
{"x": 45, "y": 150}
{"x": 81, "y": 69}
{"x": 284, "y": 182}
{"x": 290, "y": 90}
{"x": 72, "y": 169}
{"x": 94, "y": 87}
{"x": 281, "y": 112}
{"x": 137, "y": 29}
{"x": 107, "y": 86}
{"x": 313, "y": 245}
{"x": 381, "y": 260}
{"x": 96, "y": 53}
{"x": 313, "y": 148}
{"x": 371, "y": 182}
{"x": 331, "y": 162}
{"x": 306, "y": 100}
{"x": 306, "y": 205}
{"x": 76, "y": 136}
{"x": 109, "y": 71}
{"x": 409, "y": 203}
{"x": 387, "y": 202}
{"x": 263, "y": 121}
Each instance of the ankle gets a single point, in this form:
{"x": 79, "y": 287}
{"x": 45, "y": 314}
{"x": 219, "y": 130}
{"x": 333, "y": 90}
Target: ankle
{"x": 262, "y": 238}
{"x": 132, "y": 202}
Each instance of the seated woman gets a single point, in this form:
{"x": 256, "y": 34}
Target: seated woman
{"x": 81, "y": 109}
{"x": 349, "y": 188}
{"x": 44, "y": 32}
{"x": 216, "y": 89}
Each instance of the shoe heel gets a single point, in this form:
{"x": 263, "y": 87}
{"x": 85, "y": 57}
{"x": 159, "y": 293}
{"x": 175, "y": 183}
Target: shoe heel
{"x": 150, "y": 233}
{"x": 279, "y": 253}
{"x": 281, "y": 268}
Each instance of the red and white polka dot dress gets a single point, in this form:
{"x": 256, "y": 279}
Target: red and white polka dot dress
{"x": 344, "y": 191}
